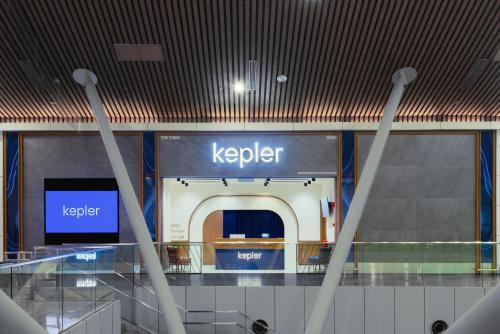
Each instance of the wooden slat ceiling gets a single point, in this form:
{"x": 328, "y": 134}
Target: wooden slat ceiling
{"x": 338, "y": 57}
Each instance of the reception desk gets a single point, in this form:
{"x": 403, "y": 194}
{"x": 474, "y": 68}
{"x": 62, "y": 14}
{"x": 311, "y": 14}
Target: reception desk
{"x": 250, "y": 254}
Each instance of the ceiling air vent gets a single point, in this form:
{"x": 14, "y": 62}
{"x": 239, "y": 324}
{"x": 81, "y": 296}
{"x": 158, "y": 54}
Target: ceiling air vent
{"x": 474, "y": 74}
{"x": 138, "y": 52}
{"x": 252, "y": 76}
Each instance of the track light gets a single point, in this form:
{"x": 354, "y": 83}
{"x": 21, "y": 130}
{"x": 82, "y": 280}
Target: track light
{"x": 314, "y": 179}
{"x": 308, "y": 181}
{"x": 186, "y": 184}
{"x": 178, "y": 179}
{"x": 183, "y": 181}
{"x": 265, "y": 184}
{"x": 305, "y": 184}
{"x": 268, "y": 179}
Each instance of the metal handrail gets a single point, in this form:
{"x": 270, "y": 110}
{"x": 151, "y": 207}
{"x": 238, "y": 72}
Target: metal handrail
{"x": 193, "y": 311}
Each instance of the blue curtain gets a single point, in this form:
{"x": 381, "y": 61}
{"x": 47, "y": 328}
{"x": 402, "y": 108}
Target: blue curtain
{"x": 252, "y": 223}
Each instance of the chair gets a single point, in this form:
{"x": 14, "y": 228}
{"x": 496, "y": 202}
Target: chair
{"x": 176, "y": 261}
{"x": 321, "y": 260}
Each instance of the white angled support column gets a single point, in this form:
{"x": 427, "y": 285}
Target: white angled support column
{"x": 14, "y": 319}
{"x": 482, "y": 317}
{"x": 317, "y": 321}
{"x": 166, "y": 301}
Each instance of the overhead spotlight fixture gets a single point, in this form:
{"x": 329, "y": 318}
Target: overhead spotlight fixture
{"x": 223, "y": 179}
{"x": 178, "y": 179}
{"x": 313, "y": 179}
{"x": 281, "y": 78}
{"x": 225, "y": 184}
{"x": 309, "y": 182}
{"x": 305, "y": 184}
{"x": 183, "y": 181}
{"x": 265, "y": 184}
{"x": 186, "y": 184}
{"x": 268, "y": 179}
{"x": 239, "y": 87}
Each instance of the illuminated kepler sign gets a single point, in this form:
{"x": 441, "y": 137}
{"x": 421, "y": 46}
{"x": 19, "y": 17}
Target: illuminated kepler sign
{"x": 244, "y": 155}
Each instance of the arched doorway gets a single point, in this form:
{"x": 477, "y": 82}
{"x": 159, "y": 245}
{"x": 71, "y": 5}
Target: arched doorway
{"x": 249, "y": 202}
{"x": 221, "y": 224}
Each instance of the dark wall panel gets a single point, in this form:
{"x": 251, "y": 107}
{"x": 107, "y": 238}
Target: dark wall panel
{"x": 71, "y": 156}
{"x": 424, "y": 190}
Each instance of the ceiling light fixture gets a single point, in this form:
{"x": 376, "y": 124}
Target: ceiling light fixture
{"x": 239, "y": 87}
{"x": 281, "y": 78}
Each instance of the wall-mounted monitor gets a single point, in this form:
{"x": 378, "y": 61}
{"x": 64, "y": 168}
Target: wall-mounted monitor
{"x": 81, "y": 211}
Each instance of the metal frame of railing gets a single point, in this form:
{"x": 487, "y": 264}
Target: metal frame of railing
{"x": 422, "y": 254}
{"x": 67, "y": 252}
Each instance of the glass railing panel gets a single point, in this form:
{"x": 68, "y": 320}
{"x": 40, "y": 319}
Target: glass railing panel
{"x": 313, "y": 257}
{"x": 177, "y": 257}
{"x": 79, "y": 284}
{"x": 451, "y": 264}
{"x": 389, "y": 263}
{"x": 6, "y": 280}
{"x": 145, "y": 317}
{"x": 37, "y": 288}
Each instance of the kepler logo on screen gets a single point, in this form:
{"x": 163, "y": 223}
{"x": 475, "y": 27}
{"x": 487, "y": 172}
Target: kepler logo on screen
{"x": 79, "y": 212}
{"x": 85, "y": 211}
{"x": 246, "y": 154}
{"x": 249, "y": 256}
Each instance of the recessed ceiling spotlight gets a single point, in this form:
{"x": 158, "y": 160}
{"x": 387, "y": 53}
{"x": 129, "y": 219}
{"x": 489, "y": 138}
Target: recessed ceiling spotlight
{"x": 239, "y": 87}
{"x": 281, "y": 78}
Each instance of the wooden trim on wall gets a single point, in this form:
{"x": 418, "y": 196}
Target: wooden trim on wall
{"x": 356, "y": 236}
{"x": 158, "y": 192}
{"x": 322, "y": 225}
{"x": 339, "y": 199}
{"x": 20, "y": 191}
{"x": 4, "y": 191}
{"x": 478, "y": 200}
{"x": 494, "y": 198}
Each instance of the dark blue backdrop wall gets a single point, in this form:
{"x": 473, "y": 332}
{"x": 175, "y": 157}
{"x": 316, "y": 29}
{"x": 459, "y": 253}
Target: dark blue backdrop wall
{"x": 252, "y": 223}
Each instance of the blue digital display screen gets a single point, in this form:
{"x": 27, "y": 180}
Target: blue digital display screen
{"x": 81, "y": 211}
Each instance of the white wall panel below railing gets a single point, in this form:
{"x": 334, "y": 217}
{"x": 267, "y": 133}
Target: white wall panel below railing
{"x": 106, "y": 320}
{"x": 357, "y": 309}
